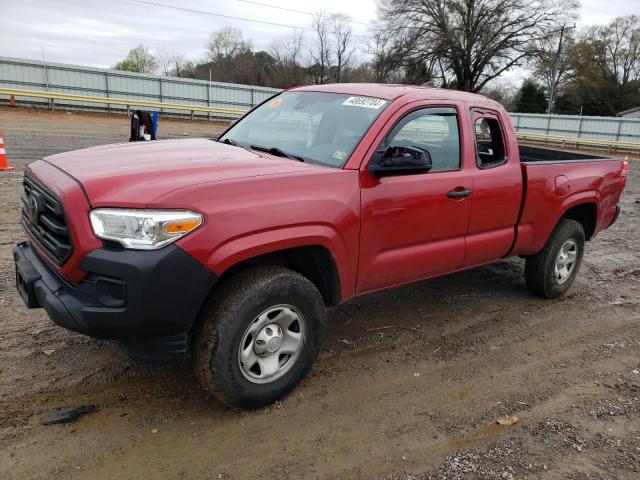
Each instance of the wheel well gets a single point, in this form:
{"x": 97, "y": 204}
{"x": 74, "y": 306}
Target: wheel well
{"x": 314, "y": 262}
{"x": 585, "y": 214}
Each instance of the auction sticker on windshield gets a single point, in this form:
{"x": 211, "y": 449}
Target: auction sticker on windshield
{"x": 366, "y": 102}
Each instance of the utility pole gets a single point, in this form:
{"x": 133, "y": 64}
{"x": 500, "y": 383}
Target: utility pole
{"x": 554, "y": 71}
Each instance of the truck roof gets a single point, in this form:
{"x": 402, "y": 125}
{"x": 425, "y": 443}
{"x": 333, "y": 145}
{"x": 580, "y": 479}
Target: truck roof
{"x": 393, "y": 91}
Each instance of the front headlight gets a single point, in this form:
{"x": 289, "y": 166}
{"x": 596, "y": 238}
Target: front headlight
{"x": 143, "y": 229}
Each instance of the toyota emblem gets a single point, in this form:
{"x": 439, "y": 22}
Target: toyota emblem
{"x": 33, "y": 208}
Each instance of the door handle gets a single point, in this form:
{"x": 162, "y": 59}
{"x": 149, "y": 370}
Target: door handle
{"x": 459, "y": 193}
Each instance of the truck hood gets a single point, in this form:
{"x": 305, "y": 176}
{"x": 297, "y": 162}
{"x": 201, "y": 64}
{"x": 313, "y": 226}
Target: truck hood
{"x": 133, "y": 174}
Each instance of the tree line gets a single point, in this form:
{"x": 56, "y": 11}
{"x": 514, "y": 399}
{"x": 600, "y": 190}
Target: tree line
{"x": 461, "y": 44}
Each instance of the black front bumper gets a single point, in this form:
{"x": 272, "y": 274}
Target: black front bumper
{"x": 147, "y": 300}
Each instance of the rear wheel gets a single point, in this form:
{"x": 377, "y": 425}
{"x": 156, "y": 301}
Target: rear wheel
{"x": 259, "y": 336}
{"x": 552, "y": 271}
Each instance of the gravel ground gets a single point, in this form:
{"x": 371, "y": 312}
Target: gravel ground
{"x": 409, "y": 384}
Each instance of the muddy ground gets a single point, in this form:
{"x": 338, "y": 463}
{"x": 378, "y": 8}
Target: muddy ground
{"x": 408, "y": 386}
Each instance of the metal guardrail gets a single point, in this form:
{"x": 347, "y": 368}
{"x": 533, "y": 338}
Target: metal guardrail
{"x": 52, "y": 96}
{"x": 575, "y": 142}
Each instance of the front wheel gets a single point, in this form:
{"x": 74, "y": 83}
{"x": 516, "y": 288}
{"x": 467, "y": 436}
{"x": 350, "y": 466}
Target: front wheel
{"x": 551, "y": 272}
{"x": 259, "y": 336}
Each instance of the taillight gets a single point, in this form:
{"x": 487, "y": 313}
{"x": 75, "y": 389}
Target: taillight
{"x": 625, "y": 166}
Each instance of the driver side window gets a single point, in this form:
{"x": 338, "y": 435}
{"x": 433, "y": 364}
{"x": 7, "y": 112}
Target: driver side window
{"x": 435, "y": 132}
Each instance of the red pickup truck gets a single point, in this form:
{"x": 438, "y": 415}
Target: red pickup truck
{"x": 227, "y": 251}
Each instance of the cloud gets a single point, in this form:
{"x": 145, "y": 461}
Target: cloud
{"x": 100, "y": 33}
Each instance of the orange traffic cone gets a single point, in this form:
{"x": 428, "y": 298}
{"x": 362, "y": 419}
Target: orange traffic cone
{"x": 4, "y": 163}
{"x": 12, "y": 101}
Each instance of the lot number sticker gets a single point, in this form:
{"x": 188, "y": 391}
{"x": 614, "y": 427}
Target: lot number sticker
{"x": 365, "y": 102}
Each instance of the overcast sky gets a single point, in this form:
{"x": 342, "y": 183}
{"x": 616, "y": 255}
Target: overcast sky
{"x": 100, "y": 33}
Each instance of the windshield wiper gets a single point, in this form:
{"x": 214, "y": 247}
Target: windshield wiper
{"x": 277, "y": 152}
{"x": 228, "y": 141}
{"x": 233, "y": 143}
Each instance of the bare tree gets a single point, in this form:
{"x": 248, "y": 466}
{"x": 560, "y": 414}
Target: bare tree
{"x": 388, "y": 52}
{"x": 287, "y": 54}
{"x": 618, "y": 48}
{"x": 174, "y": 64}
{"x": 320, "y": 52}
{"x": 164, "y": 61}
{"x": 181, "y": 66}
{"x": 295, "y": 44}
{"x": 342, "y": 42}
{"x": 288, "y": 49}
{"x": 474, "y": 40}
{"x": 502, "y": 93}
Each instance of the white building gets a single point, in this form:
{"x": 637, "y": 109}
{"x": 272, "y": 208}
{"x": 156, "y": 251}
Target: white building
{"x": 631, "y": 113}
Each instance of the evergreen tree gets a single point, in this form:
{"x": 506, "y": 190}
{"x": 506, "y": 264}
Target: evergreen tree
{"x": 531, "y": 98}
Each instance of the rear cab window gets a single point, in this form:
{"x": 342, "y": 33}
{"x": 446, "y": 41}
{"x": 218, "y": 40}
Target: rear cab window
{"x": 489, "y": 137}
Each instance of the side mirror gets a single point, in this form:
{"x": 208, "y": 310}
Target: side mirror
{"x": 401, "y": 161}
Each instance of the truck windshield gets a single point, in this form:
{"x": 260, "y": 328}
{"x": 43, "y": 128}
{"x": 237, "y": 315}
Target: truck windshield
{"x": 315, "y": 127}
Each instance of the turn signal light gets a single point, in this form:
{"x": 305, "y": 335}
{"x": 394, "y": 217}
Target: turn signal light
{"x": 182, "y": 227}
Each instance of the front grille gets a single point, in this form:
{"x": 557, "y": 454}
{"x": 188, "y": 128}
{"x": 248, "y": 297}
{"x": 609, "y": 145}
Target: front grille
{"x": 43, "y": 218}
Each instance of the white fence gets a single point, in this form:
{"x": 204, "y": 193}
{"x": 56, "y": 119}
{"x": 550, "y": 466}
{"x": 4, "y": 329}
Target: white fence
{"x": 72, "y": 79}
{"x": 599, "y": 128}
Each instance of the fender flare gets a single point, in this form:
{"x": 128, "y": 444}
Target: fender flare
{"x": 254, "y": 244}
{"x": 573, "y": 200}
{"x": 580, "y": 198}
{"x": 531, "y": 240}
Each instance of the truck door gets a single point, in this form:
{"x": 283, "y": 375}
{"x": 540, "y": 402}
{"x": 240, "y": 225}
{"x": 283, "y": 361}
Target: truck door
{"x": 497, "y": 189}
{"x": 413, "y": 226}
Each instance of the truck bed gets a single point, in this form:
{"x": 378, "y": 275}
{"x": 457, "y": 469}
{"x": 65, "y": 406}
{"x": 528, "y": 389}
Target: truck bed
{"x": 530, "y": 154}
{"x": 554, "y": 181}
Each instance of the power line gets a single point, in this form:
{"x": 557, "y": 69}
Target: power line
{"x": 222, "y": 15}
{"x": 303, "y": 12}
{"x": 205, "y": 12}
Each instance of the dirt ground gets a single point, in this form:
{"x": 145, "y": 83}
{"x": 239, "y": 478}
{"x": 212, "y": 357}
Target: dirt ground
{"x": 408, "y": 386}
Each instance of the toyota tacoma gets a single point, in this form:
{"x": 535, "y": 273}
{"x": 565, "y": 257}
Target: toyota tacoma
{"x": 226, "y": 252}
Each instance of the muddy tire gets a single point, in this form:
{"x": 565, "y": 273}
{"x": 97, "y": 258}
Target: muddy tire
{"x": 551, "y": 272}
{"x": 258, "y": 336}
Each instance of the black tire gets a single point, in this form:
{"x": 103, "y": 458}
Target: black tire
{"x": 539, "y": 268}
{"x": 233, "y": 308}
